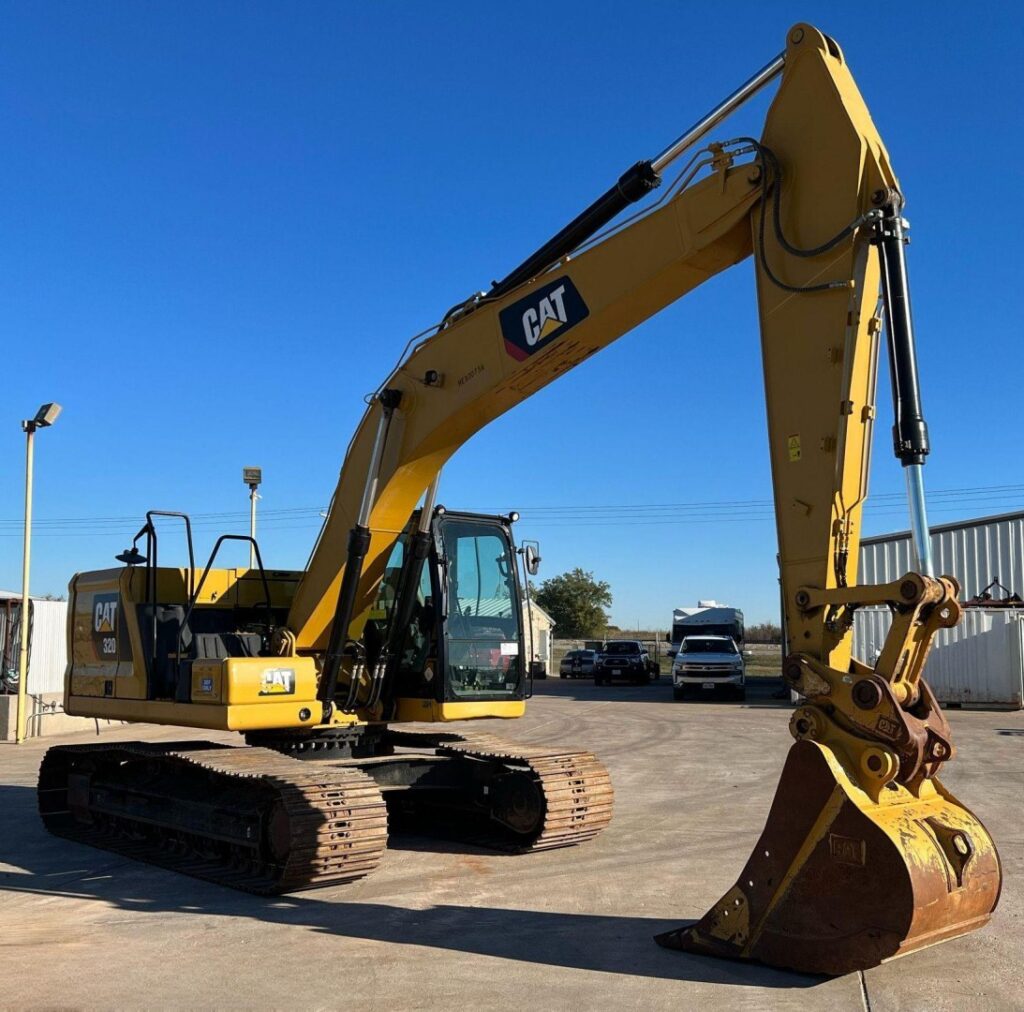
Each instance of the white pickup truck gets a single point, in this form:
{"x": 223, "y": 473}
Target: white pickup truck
{"x": 709, "y": 665}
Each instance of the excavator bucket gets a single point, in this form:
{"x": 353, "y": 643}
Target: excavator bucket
{"x": 840, "y": 881}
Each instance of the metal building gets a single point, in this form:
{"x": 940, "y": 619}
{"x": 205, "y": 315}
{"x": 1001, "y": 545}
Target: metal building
{"x": 976, "y": 552}
{"x": 539, "y": 625}
{"x": 47, "y": 650}
{"x": 981, "y": 661}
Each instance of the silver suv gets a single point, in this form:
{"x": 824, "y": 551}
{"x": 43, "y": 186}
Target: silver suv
{"x": 709, "y": 665}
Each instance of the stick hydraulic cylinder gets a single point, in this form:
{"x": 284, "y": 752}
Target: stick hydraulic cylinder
{"x": 910, "y": 432}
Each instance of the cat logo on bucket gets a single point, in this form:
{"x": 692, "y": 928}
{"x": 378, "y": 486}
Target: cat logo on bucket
{"x": 277, "y": 682}
{"x": 534, "y": 322}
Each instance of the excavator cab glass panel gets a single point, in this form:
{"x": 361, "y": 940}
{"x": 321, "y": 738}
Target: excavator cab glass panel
{"x": 376, "y": 629}
{"x": 483, "y": 628}
{"x": 414, "y": 661}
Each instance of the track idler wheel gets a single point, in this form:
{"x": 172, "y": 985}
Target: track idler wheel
{"x": 840, "y": 881}
{"x": 517, "y": 802}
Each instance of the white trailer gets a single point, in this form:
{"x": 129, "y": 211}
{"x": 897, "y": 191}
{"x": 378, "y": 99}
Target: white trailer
{"x": 707, "y": 618}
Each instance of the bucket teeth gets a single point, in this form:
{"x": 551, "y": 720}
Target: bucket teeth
{"x": 839, "y": 882}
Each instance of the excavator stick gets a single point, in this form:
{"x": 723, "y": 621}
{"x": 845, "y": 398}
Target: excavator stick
{"x": 865, "y": 856}
{"x": 839, "y": 882}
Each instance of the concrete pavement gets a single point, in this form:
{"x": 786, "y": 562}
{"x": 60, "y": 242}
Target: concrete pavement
{"x": 441, "y": 925}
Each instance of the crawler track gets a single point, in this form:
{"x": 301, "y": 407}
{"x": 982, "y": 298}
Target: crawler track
{"x": 248, "y": 818}
{"x": 564, "y": 797}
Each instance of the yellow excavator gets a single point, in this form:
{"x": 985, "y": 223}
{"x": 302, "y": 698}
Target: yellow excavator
{"x": 408, "y": 614}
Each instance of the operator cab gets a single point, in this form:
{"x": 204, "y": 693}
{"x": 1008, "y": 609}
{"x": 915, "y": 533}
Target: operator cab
{"x": 463, "y": 640}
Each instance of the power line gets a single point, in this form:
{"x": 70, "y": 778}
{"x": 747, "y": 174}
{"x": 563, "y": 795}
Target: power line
{"x": 966, "y": 491}
{"x": 580, "y": 515}
{"x": 234, "y": 514}
{"x": 953, "y": 493}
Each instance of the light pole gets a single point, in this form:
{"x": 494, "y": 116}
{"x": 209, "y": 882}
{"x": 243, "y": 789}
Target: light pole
{"x": 45, "y": 416}
{"x": 252, "y": 476}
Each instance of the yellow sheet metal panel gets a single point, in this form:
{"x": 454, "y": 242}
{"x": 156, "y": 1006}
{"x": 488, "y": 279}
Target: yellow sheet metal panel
{"x": 241, "y": 717}
{"x": 104, "y": 644}
{"x": 272, "y": 715}
{"x": 508, "y": 709}
{"x": 132, "y": 681}
{"x": 432, "y": 711}
{"x": 89, "y": 685}
{"x": 171, "y": 584}
{"x": 269, "y": 679}
{"x": 249, "y": 591}
{"x": 97, "y": 643}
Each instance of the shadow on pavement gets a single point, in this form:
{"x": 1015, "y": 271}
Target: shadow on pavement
{"x": 52, "y": 867}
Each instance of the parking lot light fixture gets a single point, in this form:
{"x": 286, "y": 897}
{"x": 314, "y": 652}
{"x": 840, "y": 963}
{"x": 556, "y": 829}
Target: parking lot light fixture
{"x": 44, "y": 418}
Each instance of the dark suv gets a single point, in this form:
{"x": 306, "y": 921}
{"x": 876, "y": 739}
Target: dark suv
{"x": 625, "y": 659}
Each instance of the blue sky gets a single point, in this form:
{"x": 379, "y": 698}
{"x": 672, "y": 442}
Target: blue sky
{"x": 222, "y": 222}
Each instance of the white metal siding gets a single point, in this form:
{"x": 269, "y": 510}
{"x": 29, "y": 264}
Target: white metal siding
{"x": 542, "y": 647}
{"x": 541, "y": 625}
{"x": 975, "y": 553}
{"x": 48, "y": 655}
{"x": 979, "y": 661}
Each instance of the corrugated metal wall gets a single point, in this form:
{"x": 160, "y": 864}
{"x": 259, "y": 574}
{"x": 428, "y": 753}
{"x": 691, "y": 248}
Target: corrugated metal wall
{"x": 975, "y": 552}
{"x": 8, "y": 640}
{"x": 48, "y": 654}
{"x": 979, "y": 661}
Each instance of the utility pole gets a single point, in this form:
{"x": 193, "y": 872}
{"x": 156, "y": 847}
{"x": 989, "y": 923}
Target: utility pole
{"x": 252, "y": 476}
{"x": 45, "y": 416}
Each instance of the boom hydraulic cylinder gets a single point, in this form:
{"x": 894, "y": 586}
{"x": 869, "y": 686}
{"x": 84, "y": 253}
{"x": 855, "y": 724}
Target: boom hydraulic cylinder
{"x": 630, "y": 187}
{"x": 358, "y": 545}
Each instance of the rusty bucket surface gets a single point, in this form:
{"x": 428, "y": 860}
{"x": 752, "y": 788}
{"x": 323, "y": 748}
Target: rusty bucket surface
{"x": 840, "y": 881}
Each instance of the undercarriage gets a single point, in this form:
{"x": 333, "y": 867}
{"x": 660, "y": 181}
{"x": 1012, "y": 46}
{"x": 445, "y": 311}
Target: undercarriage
{"x": 255, "y": 819}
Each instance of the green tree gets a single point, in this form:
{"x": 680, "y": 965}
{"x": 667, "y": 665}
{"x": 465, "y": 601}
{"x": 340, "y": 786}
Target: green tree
{"x": 764, "y": 632}
{"x": 577, "y": 603}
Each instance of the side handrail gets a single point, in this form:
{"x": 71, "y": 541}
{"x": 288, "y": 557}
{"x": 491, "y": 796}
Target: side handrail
{"x": 151, "y": 566}
{"x": 194, "y": 597}
{"x": 151, "y": 550}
